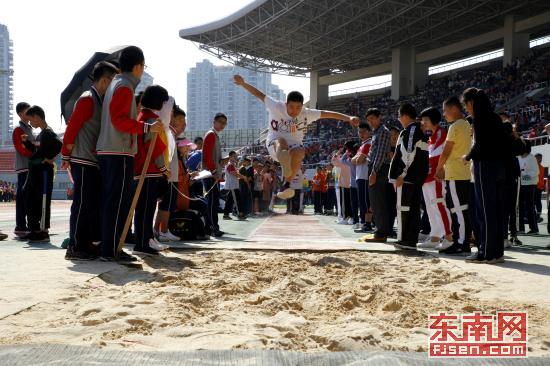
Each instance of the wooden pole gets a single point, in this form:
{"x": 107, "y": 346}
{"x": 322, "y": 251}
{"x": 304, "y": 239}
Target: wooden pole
{"x": 136, "y": 194}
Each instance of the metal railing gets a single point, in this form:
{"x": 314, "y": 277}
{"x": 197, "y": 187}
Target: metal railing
{"x": 358, "y": 89}
{"x": 537, "y": 85}
{"x": 537, "y": 141}
{"x": 465, "y": 62}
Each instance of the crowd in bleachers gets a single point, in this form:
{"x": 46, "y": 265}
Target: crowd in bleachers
{"x": 501, "y": 83}
{"x": 7, "y": 191}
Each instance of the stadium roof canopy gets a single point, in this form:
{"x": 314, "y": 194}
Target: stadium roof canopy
{"x": 298, "y": 36}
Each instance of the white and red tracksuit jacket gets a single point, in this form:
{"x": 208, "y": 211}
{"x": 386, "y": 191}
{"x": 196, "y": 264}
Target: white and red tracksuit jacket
{"x": 435, "y": 149}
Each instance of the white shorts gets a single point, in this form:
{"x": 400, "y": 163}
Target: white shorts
{"x": 270, "y": 144}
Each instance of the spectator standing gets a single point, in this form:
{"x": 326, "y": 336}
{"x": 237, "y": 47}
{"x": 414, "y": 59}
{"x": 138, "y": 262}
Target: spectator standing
{"x": 409, "y": 169}
{"x": 529, "y": 179}
{"x": 378, "y": 166}
{"x": 540, "y": 187}
{"x": 22, "y": 155}
{"x": 434, "y": 190}
{"x": 116, "y": 148}
{"x": 79, "y": 155}
{"x": 212, "y": 160}
{"x": 232, "y": 178}
{"x": 362, "y": 177}
{"x": 456, "y": 173}
{"x": 40, "y": 179}
{"x": 319, "y": 182}
{"x": 488, "y": 153}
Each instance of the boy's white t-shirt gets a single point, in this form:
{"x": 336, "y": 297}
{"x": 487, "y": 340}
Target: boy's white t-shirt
{"x": 282, "y": 125}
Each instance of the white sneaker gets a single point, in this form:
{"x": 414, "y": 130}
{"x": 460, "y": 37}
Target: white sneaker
{"x": 444, "y": 244}
{"x": 341, "y": 221}
{"x": 283, "y": 156}
{"x": 356, "y": 226}
{"x": 350, "y": 221}
{"x": 167, "y": 236}
{"x": 153, "y": 243}
{"x": 423, "y": 237}
{"x": 507, "y": 243}
{"x": 428, "y": 244}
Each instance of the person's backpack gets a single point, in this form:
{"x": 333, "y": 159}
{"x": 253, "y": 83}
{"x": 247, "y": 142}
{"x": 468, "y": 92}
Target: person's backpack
{"x": 188, "y": 225}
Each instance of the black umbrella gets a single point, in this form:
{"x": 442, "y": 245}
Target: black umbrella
{"x": 82, "y": 79}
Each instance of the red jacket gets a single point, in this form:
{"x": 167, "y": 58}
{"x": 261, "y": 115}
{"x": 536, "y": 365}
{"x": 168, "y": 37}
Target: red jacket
{"x": 435, "y": 148}
{"x": 156, "y": 166}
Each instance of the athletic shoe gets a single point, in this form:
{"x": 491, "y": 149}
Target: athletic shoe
{"x": 72, "y": 254}
{"x": 95, "y": 248}
{"x": 286, "y": 192}
{"x": 341, "y": 221}
{"x": 350, "y": 221}
{"x": 283, "y": 156}
{"x": 218, "y": 233}
{"x": 496, "y": 260}
{"x": 155, "y": 244}
{"x": 507, "y": 243}
{"x": 145, "y": 251}
{"x": 454, "y": 249}
{"x": 123, "y": 258}
{"x": 404, "y": 246}
{"x": 241, "y": 217}
{"x": 540, "y": 219}
{"x": 516, "y": 241}
{"x": 19, "y": 231}
{"x": 444, "y": 244}
{"x": 423, "y": 237}
{"x": 38, "y": 237}
{"x": 356, "y": 226}
{"x": 533, "y": 232}
{"x": 428, "y": 244}
{"x": 366, "y": 228}
{"x": 168, "y": 236}
{"x": 376, "y": 239}
{"x": 227, "y": 217}
{"x": 3, "y": 236}
{"x": 476, "y": 258}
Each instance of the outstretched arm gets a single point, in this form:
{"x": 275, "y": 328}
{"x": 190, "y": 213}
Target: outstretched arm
{"x": 238, "y": 80}
{"x": 354, "y": 121}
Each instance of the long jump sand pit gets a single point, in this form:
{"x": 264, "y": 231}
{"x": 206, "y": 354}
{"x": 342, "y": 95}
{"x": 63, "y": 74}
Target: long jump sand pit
{"x": 303, "y": 301}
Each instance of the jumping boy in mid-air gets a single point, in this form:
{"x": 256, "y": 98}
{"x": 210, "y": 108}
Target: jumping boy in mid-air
{"x": 287, "y": 122}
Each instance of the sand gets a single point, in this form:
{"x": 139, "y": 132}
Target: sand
{"x": 303, "y": 301}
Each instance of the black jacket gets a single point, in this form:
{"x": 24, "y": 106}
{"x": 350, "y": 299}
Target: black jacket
{"x": 411, "y": 158}
{"x": 47, "y": 146}
{"x": 491, "y": 143}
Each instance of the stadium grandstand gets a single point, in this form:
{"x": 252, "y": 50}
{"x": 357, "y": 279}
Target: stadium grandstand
{"x": 427, "y": 50}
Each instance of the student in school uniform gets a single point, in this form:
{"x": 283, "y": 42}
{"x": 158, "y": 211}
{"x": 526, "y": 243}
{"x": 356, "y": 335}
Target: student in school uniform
{"x": 22, "y": 155}
{"x": 152, "y": 102}
{"x": 79, "y": 156}
{"x": 116, "y": 148}
{"x": 232, "y": 179}
{"x": 168, "y": 192}
{"x": 39, "y": 184}
{"x": 212, "y": 161}
{"x": 408, "y": 170}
